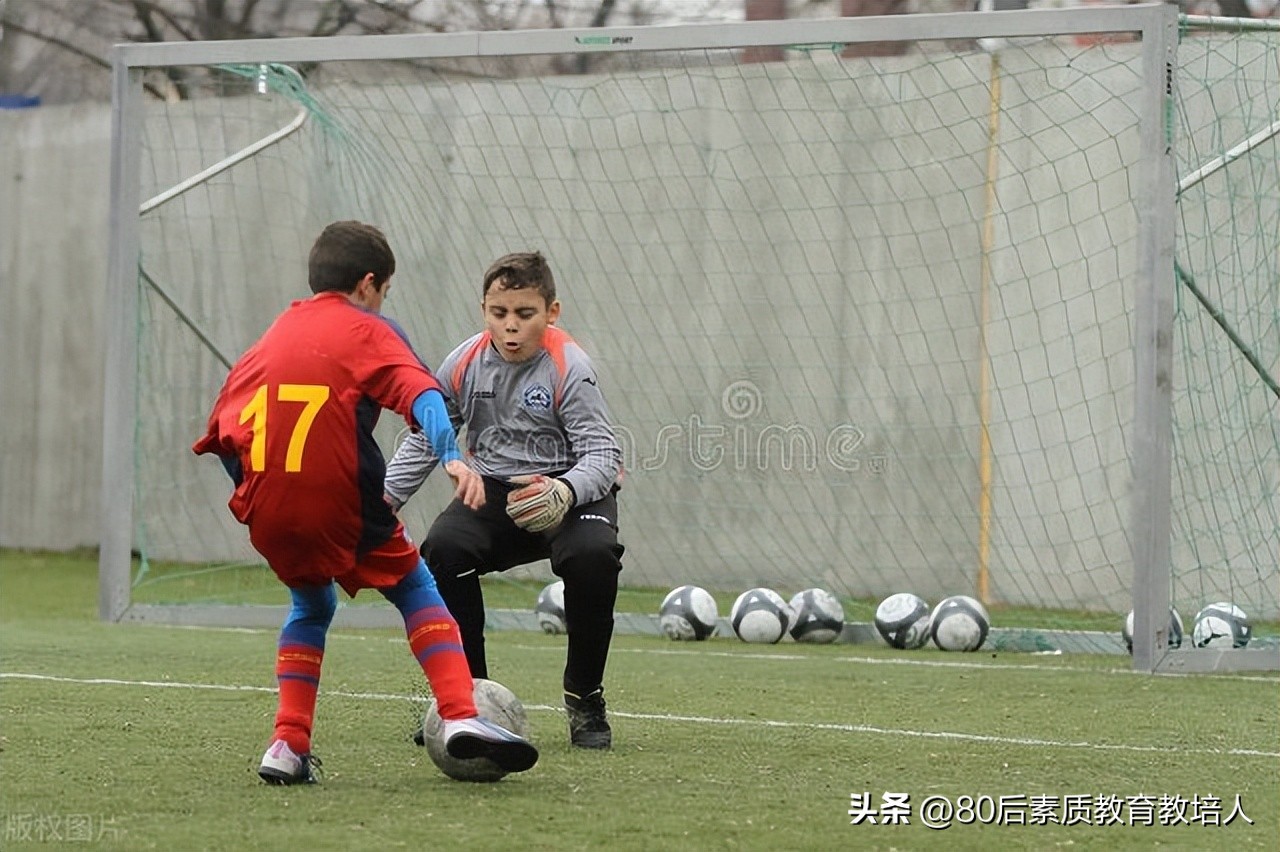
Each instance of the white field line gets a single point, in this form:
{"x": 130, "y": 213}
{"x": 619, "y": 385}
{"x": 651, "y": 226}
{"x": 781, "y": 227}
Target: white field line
{"x": 941, "y": 664}
{"x": 698, "y": 650}
{"x": 699, "y": 720}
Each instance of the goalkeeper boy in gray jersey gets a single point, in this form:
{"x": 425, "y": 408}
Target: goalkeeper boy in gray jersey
{"x": 538, "y": 431}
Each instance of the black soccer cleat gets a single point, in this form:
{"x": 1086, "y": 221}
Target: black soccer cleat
{"x": 588, "y": 726}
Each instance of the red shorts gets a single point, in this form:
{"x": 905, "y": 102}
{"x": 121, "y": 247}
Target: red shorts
{"x": 381, "y": 568}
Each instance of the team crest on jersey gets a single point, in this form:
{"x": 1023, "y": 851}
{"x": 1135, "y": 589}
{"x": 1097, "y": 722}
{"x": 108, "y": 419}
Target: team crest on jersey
{"x": 537, "y": 396}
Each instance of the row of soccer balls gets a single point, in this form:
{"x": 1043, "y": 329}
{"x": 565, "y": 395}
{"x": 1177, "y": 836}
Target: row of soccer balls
{"x": 958, "y": 623}
{"x": 1219, "y": 625}
{"x": 904, "y": 620}
{"x": 761, "y": 615}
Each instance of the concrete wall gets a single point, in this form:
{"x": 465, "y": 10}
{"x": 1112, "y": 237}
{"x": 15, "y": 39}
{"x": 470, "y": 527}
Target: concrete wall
{"x": 54, "y": 175}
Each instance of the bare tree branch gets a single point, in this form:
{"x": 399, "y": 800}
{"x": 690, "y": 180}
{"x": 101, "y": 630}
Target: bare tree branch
{"x": 246, "y": 15}
{"x": 603, "y": 12}
{"x": 553, "y": 14}
{"x": 144, "y": 10}
{"x": 334, "y": 15}
{"x": 175, "y": 75}
{"x": 71, "y": 48}
{"x": 213, "y": 23}
{"x": 105, "y": 22}
{"x": 149, "y": 27}
{"x": 403, "y": 12}
{"x": 1234, "y": 8}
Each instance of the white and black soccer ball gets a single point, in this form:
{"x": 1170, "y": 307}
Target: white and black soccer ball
{"x": 818, "y": 616}
{"x": 496, "y": 703}
{"x": 903, "y": 620}
{"x": 1221, "y": 625}
{"x": 1175, "y": 630}
{"x": 760, "y": 615}
{"x": 959, "y": 623}
{"x": 550, "y": 608}
{"x": 688, "y": 613}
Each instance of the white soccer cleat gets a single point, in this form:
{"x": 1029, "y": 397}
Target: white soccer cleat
{"x": 478, "y": 737}
{"x": 280, "y": 765}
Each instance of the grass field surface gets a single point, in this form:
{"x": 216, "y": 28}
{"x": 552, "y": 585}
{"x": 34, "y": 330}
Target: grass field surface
{"x": 148, "y": 737}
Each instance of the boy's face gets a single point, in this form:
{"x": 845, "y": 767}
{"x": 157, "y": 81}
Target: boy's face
{"x": 516, "y": 320}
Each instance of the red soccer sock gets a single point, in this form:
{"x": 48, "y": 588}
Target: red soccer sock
{"x": 298, "y": 674}
{"x": 437, "y": 645}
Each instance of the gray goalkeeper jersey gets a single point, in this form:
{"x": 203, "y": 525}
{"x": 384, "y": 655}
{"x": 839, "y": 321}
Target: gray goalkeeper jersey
{"x": 545, "y": 415}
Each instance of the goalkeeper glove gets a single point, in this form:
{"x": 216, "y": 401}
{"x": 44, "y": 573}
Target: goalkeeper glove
{"x": 541, "y": 504}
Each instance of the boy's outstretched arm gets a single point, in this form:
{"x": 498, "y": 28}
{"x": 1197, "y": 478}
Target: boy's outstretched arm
{"x": 421, "y": 451}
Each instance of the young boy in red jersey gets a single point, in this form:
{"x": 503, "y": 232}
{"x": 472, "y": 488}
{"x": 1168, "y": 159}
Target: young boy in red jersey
{"x": 293, "y": 426}
{"x": 539, "y": 432}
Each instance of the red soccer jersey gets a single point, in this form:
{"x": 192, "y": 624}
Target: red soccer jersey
{"x": 297, "y": 412}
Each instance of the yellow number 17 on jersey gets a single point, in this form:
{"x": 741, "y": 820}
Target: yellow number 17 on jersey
{"x": 312, "y": 396}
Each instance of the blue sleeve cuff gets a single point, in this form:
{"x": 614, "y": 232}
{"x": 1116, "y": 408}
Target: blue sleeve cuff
{"x": 433, "y": 418}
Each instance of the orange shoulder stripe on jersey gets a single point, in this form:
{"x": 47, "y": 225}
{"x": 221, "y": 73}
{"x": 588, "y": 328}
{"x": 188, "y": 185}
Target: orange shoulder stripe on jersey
{"x": 465, "y": 361}
{"x": 553, "y": 340}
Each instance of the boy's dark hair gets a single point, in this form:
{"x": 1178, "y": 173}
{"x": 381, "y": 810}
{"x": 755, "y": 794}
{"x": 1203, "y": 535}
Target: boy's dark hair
{"x": 521, "y": 270}
{"x": 344, "y": 253}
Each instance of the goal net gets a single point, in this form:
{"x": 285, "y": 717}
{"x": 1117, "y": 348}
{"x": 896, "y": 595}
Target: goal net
{"x": 872, "y": 324}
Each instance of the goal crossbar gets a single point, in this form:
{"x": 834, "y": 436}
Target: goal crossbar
{"x": 849, "y": 30}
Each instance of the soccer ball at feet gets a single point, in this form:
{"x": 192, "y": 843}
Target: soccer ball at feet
{"x": 494, "y": 702}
